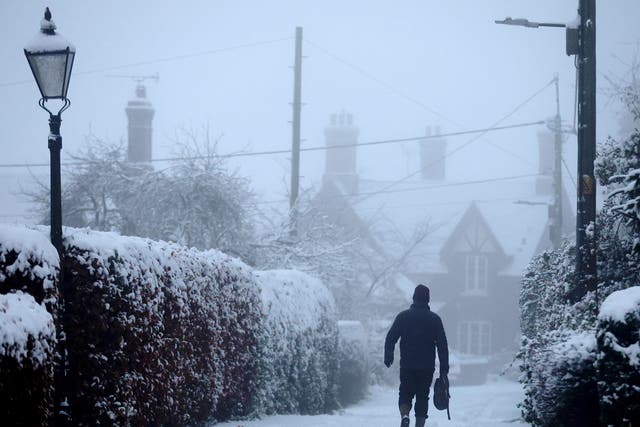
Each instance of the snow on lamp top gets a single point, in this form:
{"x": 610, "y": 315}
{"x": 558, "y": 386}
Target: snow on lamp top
{"x": 50, "y": 57}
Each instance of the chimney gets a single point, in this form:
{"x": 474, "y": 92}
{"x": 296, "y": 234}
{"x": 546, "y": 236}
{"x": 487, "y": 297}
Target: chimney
{"x": 544, "y": 182}
{"x": 340, "y": 165}
{"x": 433, "y": 150}
{"x": 140, "y": 114}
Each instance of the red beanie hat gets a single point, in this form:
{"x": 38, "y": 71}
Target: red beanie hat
{"x": 421, "y": 294}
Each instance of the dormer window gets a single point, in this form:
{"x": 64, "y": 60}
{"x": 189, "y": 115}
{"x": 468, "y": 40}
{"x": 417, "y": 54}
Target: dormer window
{"x": 476, "y": 274}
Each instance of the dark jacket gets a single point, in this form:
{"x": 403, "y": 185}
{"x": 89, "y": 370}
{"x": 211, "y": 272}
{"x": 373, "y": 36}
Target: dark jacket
{"x": 420, "y": 331}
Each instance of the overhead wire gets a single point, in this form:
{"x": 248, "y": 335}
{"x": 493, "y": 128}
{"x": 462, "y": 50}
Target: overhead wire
{"x": 316, "y": 148}
{"x": 404, "y": 95}
{"x": 471, "y": 141}
{"x": 161, "y": 60}
{"x": 420, "y": 188}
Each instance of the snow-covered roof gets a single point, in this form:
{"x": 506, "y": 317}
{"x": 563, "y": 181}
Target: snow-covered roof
{"x": 515, "y": 213}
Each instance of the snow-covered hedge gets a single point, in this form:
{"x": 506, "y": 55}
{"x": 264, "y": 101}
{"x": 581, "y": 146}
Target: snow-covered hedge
{"x": 157, "y": 333}
{"x": 558, "y": 350}
{"x": 298, "y": 361}
{"x": 353, "y": 377}
{"x": 560, "y": 385}
{"x": 619, "y": 356}
{"x": 28, "y": 273}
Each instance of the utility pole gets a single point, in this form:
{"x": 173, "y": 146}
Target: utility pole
{"x": 586, "y": 206}
{"x": 555, "y": 231}
{"x": 295, "y": 143}
{"x": 581, "y": 41}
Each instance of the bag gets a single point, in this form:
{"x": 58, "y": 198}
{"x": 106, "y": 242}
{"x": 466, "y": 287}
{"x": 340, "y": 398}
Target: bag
{"x": 441, "y": 394}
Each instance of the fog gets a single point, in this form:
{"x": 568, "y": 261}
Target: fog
{"x": 397, "y": 69}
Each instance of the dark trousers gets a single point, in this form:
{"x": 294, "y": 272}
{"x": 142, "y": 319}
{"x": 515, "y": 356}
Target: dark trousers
{"x": 415, "y": 382}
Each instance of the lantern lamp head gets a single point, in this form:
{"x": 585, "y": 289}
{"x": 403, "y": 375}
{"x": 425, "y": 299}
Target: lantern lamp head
{"x": 50, "y": 57}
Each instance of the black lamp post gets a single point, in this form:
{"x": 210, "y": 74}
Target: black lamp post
{"x": 50, "y": 57}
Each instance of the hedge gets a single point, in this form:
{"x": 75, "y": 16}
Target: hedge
{"x": 353, "y": 376}
{"x": 619, "y": 357}
{"x": 159, "y": 334}
{"x": 28, "y": 298}
{"x": 298, "y": 361}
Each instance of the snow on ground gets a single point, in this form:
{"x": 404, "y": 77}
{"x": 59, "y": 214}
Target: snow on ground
{"x": 489, "y": 405}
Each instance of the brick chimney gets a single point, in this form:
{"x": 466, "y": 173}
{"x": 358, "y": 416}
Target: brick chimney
{"x": 433, "y": 150}
{"x": 340, "y": 165}
{"x": 140, "y": 114}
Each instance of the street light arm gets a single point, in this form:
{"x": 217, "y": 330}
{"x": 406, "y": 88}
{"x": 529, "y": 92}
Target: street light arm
{"x": 522, "y": 22}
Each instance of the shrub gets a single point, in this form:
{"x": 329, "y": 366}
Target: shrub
{"x": 619, "y": 357}
{"x": 561, "y": 387}
{"x": 158, "y": 334}
{"x": 558, "y": 349}
{"x": 28, "y": 297}
{"x": 353, "y": 376}
{"x": 298, "y": 360}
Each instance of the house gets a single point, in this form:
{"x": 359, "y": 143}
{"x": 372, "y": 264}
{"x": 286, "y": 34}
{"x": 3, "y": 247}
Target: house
{"x": 480, "y": 234}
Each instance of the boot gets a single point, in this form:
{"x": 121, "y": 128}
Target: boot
{"x": 420, "y": 421}
{"x": 404, "y": 413}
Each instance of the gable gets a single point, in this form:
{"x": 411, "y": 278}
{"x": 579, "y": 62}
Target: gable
{"x": 472, "y": 234}
{"x": 475, "y": 237}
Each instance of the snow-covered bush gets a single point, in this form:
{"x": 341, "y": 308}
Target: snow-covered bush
{"x": 558, "y": 344}
{"x": 157, "y": 333}
{"x": 298, "y": 360}
{"x": 28, "y": 297}
{"x": 560, "y": 387}
{"x": 353, "y": 376}
{"x": 619, "y": 357}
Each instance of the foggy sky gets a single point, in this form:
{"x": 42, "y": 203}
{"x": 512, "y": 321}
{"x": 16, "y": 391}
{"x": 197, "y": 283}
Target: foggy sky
{"x": 448, "y": 56}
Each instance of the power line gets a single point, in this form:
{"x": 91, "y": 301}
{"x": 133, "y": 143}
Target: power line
{"x": 317, "y": 148}
{"x": 419, "y": 188}
{"x": 472, "y": 140}
{"x": 381, "y": 82}
{"x": 161, "y": 60}
{"x": 404, "y": 95}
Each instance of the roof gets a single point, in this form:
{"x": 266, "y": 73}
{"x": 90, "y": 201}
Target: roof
{"x": 511, "y": 208}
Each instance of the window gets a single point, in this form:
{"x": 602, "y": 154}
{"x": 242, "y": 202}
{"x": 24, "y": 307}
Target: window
{"x": 476, "y": 274}
{"x": 474, "y": 337}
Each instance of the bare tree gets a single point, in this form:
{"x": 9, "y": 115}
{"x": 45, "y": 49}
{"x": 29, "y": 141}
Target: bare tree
{"x": 195, "y": 201}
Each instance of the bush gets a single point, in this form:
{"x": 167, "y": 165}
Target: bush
{"x": 560, "y": 388}
{"x": 28, "y": 298}
{"x": 298, "y": 360}
{"x": 157, "y": 333}
{"x": 619, "y": 357}
{"x": 353, "y": 376}
{"x": 558, "y": 348}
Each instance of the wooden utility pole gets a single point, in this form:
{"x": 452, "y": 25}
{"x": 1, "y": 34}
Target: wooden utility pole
{"x": 295, "y": 143}
{"x": 586, "y": 206}
{"x": 555, "y": 231}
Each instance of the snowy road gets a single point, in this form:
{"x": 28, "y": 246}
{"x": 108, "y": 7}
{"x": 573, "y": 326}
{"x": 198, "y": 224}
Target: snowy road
{"x": 489, "y": 405}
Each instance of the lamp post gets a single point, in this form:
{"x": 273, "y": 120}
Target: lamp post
{"x": 581, "y": 41}
{"x": 50, "y": 57}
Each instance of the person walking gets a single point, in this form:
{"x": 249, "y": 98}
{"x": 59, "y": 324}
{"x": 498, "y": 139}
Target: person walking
{"x": 420, "y": 332}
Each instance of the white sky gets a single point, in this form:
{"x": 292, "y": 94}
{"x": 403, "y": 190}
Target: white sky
{"x": 448, "y": 55}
